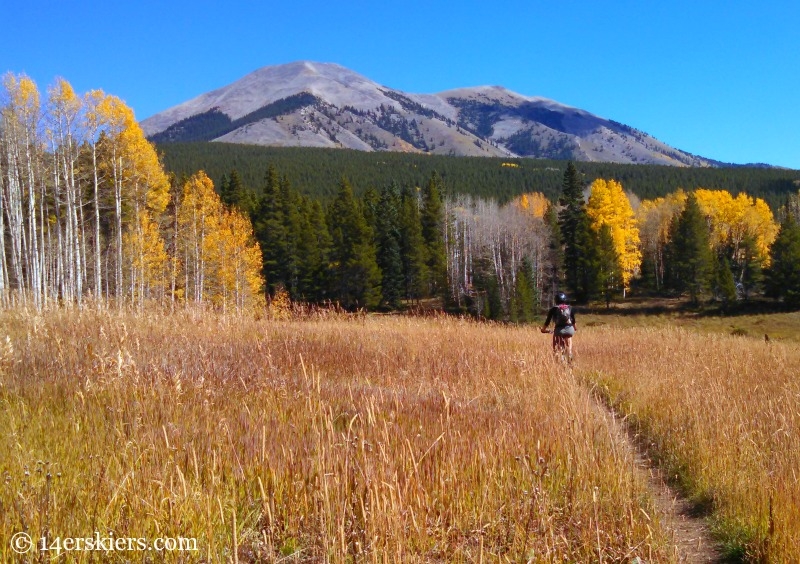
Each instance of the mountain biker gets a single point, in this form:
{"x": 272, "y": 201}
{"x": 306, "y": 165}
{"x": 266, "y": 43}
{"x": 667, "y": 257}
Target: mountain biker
{"x": 563, "y": 318}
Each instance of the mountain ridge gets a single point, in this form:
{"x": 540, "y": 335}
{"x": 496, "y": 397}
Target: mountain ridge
{"x": 314, "y": 104}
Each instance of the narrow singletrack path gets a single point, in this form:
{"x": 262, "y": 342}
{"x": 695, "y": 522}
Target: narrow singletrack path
{"x": 691, "y": 536}
{"x": 690, "y": 533}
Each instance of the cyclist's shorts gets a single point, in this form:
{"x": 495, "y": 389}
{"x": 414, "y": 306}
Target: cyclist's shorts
{"x": 565, "y": 331}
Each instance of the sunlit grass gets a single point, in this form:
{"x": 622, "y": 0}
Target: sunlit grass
{"x": 340, "y": 438}
{"x": 722, "y": 414}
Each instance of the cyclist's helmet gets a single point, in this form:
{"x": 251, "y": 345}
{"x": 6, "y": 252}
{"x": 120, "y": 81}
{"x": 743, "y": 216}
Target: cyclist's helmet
{"x": 561, "y": 298}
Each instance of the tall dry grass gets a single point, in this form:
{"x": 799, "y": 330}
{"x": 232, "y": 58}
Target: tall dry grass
{"x": 340, "y": 439}
{"x": 722, "y": 414}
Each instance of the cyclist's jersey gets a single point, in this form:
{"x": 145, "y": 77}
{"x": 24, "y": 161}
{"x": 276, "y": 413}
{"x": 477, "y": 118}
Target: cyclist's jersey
{"x": 555, "y": 315}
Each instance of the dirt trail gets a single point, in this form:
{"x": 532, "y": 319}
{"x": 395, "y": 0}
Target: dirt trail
{"x": 690, "y": 534}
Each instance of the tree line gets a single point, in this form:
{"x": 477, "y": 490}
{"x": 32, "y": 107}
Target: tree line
{"x": 316, "y": 171}
{"x": 702, "y": 243}
{"x": 400, "y": 245}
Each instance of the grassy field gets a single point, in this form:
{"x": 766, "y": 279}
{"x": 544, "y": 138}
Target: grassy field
{"x": 341, "y": 439}
{"x": 720, "y": 412}
{"x": 388, "y": 438}
{"x": 778, "y": 326}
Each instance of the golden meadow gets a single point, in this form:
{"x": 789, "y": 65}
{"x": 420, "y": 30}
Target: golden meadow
{"x": 386, "y": 438}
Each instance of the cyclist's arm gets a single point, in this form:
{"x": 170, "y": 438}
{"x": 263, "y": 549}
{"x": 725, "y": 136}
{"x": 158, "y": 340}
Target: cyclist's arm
{"x": 549, "y": 318}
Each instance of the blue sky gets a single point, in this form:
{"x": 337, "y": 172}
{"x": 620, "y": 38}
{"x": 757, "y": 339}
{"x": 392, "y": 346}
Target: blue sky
{"x": 718, "y": 79}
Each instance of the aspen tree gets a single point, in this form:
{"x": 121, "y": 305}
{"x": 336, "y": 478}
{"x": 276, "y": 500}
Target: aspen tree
{"x": 64, "y": 108}
{"x": 146, "y": 253}
{"x": 94, "y": 122}
{"x": 732, "y": 220}
{"x": 608, "y": 205}
{"x": 21, "y": 119}
{"x": 534, "y": 203}
{"x": 138, "y": 178}
{"x": 239, "y": 261}
{"x": 113, "y": 112}
{"x": 655, "y": 219}
{"x": 199, "y": 214}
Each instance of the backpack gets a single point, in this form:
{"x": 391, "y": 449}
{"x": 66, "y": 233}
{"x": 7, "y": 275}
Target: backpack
{"x": 564, "y": 316}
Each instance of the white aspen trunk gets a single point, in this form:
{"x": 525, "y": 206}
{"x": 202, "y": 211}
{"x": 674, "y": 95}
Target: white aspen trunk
{"x": 202, "y": 262}
{"x": 135, "y": 252}
{"x": 60, "y": 269}
{"x": 3, "y": 266}
{"x": 64, "y": 188}
{"x": 98, "y": 276}
{"x": 16, "y": 228}
{"x": 46, "y": 244}
{"x": 82, "y": 280}
{"x": 72, "y": 259}
{"x": 174, "y": 259}
{"x": 33, "y": 251}
{"x": 118, "y": 219}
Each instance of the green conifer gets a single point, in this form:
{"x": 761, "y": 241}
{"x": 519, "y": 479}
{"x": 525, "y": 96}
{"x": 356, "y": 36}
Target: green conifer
{"x": 356, "y": 277}
{"x": 783, "y": 276}
{"x": 690, "y": 253}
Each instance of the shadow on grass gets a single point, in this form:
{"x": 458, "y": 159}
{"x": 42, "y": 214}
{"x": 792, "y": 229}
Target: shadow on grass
{"x": 684, "y": 307}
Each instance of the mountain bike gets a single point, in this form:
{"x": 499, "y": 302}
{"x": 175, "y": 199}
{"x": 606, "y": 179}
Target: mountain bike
{"x": 560, "y": 347}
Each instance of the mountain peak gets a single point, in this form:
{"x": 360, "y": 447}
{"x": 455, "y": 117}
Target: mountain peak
{"x": 307, "y": 103}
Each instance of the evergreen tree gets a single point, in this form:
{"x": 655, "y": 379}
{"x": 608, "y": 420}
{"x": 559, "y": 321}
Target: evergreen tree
{"x": 647, "y": 278}
{"x": 494, "y": 301}
{"x": 487, "y": 288}
{"x": 609, "y": 276}
{"x": 554, "y": 262}
{"x": 783, "y": 276}
{"x": 589, "y": 261}
{"x": 412, "y": 247}
{"x": 271, "y": 233}
{"x": 224, "y": 190}
{"x": 691, "y": 261}
{"x": 387, "y": 224}
{"x": 356, "y": 278}
{"x": 724, "y": 284}
{"x": 576, "y": 237}
{"x": 293, "y": 228}
{"x": 432, "y": 221}
{"x": 369, "y": 202}
{"x": 523, "y": 301}
{"x": 314, "y": 252}
{"x": 750, "y": 275}
{"x": 236, "y": 194}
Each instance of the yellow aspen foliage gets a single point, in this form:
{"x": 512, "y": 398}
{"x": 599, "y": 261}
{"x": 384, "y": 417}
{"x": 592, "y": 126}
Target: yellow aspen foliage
{"x": 655, "y": 218}
{"x": 24, "y": 96}
{"x": 534, "y": 203}
{"x": 240, "y": 271}
{"x": 221, "y": 257}
{"x": 146, "y": 256}
{"x": 608, "y": 205}
{"x": 280, "y": 306}
{"x": 731, "y": 220}
{"x": 65, "y": 104}
{"x": 150, "y": 185}
{"x": 145, "y": 182}
{"x": 200, "y": 210}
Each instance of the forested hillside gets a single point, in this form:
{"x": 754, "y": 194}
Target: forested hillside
{"x": 316, "y": 172}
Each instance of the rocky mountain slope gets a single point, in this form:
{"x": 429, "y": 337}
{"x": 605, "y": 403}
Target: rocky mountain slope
{"x": 326, "y": 105}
